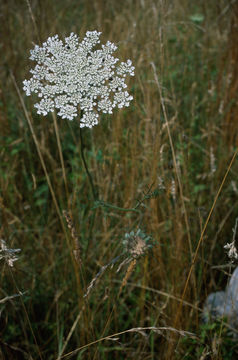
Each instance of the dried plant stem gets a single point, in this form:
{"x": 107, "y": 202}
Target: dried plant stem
{"x": 94, "y": 191}
{"x": 107, "y": 205}
{"x": 7, "y": 298}
{"x": 26, "y": 313}
{"x": 43, "y": 166}
{"x": 39, "y": 152}
{"x": 33, "y": 20}
{"x": 177, "y": 175}
{"x": 74, "y": 236}
{"x": 128, "y": 273}
{"x": 124, "y": 282}
{"x": 70, "y": 333}
{"x": 201, "y": 238}
{"x": 138, "y": 330}
{"x": 174, "y": 158}
{"x": 60, "y": 153}
{"x": 159, "y": 292}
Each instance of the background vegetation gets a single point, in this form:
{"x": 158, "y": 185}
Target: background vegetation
{"x": 174, "y": 145}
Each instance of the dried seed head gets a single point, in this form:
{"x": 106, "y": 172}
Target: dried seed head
{"x": 137, "y": 243}
{"x": 8, "y": 254}
{"x": 230, "y": 247}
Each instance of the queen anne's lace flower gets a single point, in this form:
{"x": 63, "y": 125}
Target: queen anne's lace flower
{"x": 70, "y": 76}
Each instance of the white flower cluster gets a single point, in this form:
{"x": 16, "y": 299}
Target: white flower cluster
{"x": 71, "y": 76}
{"x": 230, "y": 247}
{"x": 8, "y": 254}
{"x": 231, "y": 250}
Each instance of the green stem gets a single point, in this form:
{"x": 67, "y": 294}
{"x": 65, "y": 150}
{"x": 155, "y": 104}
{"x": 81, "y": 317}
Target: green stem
{"x": 94, "y": 191}
{"x": 104, "y": 204}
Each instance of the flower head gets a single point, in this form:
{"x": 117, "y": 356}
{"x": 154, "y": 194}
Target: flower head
{"x": 137, "y": 243}
{"x": 231, "y": 250}
{"x": 231, "y": 247}
{"x": 8, "y": 254}
{"x": 71, "y": 76}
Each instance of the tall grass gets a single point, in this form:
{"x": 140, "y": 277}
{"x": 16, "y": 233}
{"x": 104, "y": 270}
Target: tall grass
{"x": 170, "y": 150}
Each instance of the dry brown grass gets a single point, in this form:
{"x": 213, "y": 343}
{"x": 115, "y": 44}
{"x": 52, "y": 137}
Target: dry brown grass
{"x": 173, "y": 131}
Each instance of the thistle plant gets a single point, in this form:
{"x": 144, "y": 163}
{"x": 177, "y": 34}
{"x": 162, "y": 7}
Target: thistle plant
{"x": 72, "y": 76}
{"x": 137, "y": 243}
